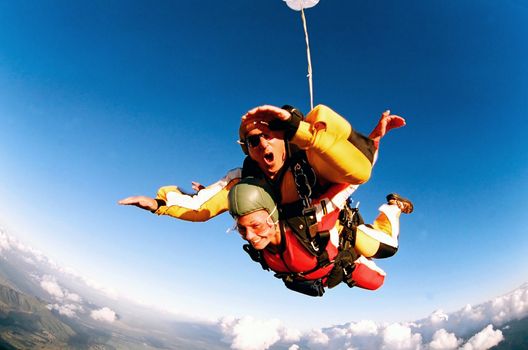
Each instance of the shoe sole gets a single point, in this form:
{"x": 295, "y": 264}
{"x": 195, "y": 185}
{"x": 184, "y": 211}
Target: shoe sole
{"x": 408, "y": 207}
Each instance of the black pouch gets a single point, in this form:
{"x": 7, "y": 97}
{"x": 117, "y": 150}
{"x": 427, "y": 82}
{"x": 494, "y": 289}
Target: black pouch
{"x": 313, "y": 288}
{"x": 343, "y": 264}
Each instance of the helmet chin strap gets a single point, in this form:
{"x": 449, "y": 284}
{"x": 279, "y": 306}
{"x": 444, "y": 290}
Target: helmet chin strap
{"x": 271, "y": 214}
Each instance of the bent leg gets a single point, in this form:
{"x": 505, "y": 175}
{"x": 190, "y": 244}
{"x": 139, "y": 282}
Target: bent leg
{"x": 380, "y": 240}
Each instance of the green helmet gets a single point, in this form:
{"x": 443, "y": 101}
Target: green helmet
{"x": 251, "y": 195}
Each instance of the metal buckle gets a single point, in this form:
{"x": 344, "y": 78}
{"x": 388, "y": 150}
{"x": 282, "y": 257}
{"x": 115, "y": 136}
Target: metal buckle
{"x": 310, "y": 218}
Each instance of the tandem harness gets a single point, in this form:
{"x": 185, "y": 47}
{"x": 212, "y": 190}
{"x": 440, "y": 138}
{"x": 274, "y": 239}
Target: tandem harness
{"x": 300, "y": 217}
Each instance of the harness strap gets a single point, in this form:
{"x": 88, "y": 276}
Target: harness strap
{"x": 291, "y": 210}
{"x": 323, "y": 260}
{"x": 303, "y": 174}
{"x": 305, "y": 229}
{"x": 344, "y": 264}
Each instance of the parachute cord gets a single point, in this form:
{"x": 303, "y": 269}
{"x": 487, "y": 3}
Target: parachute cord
{"x": 310, "y": 84}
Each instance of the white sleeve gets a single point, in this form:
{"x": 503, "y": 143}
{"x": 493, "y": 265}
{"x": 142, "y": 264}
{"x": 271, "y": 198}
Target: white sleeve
{"x": 194, "y": 202}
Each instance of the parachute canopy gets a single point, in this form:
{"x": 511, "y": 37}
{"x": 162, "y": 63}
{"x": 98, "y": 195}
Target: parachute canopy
{"x": 298, "y": 5}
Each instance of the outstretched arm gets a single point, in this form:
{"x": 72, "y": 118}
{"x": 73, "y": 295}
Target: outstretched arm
{"x": 207, "y": 203}
{"x": 386, "y": 123}
{"x": 143, "y": 202}
{"x": 336, "y": 152}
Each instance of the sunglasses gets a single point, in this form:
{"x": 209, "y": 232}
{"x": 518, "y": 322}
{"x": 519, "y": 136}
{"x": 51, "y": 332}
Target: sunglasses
{"x": 254, "y": 140}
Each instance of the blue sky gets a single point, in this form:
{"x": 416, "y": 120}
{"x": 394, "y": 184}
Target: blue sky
{"x": 104, "y": 100}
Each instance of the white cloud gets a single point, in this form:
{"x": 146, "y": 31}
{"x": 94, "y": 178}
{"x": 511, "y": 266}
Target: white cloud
{"x": 104, "y": 314}
{"x": 317, "y": 337}
{"x": 29, "y": 260}
{"x": 289, "y": 335}
{"x": 473, "y": 314}
{"x": 248, "y": 333}
{"x": 109, "y": 292}
{"x": 5, "y": 241}
{"x": 438, "y": 317}
{"x": 510, "y": 306}
{"x": 50, "y": 285}
{"x": 442, "y": 340}
{"x": 69, "y": 310}
{"x": 485, "y": 339}
{"x": 73, "y": 297}
{"x": 32, "y": 256}
{"x": 400, "y": 337}
{"x": 363, "y": 328}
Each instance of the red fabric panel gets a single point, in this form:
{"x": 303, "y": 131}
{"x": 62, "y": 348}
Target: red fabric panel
{"x": 367, "y": 278}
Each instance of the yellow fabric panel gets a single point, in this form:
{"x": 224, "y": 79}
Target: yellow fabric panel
{"x": 322, "y": 117}
{"x": 324, "y": 137}
{"x": 383, "y": 224}
{"x": 162, "y": 192}
{"x": 216, "y": 205}
{"x": 366, "y": 245}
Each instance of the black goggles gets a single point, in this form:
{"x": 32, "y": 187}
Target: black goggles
{"x": 254, "y": 140}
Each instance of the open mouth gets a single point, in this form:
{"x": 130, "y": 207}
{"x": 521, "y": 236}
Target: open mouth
{"x": 268, "y": 157}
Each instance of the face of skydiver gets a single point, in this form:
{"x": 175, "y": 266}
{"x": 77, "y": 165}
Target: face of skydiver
{"x": 258, "y": 229}
{"x": 267, "y": 148}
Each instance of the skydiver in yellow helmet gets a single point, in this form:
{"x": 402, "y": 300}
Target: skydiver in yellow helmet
{"x": 299, "y": 159}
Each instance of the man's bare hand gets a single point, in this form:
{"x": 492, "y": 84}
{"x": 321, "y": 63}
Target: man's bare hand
{"x": 196, "y": 186}
{"x": 386, "y": 123}
{"x": 142, "y": 202}
{"x": 266, "y": 113}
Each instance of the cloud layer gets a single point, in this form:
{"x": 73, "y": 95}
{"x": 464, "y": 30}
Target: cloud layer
{"x": 63, "y": 301}
{"x": 470, "y": 328}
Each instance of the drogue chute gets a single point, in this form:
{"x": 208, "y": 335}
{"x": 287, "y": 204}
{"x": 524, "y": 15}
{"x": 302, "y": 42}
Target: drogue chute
{"x": 300, "y": 5}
